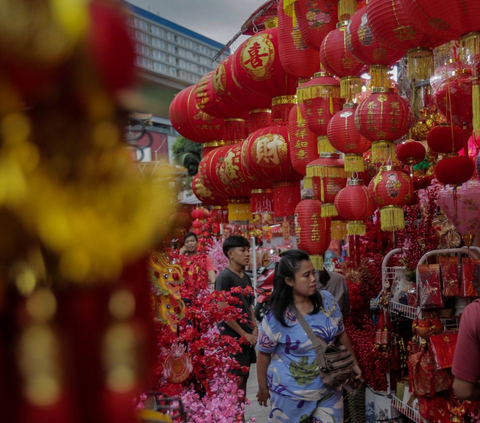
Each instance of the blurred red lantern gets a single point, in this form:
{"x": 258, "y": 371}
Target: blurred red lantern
{"x": 337, "y": 59}
{"x": 302, "y": 142}
{"x": 205, "y": 195}
{"x": 190, "y": 121}
{"x": 197, "y": 224}
{"x": 318, "y": 100}
{"x": 328, "y": 178}
{"x": 296, "y": 56}
{"x": 345, "y": 137}
{"x": 382, "y": 118}
{"x": 197, "y": 214}
{"x": 446, "y": 139}
{"x": 392, "y": 188}
{"x": 411, "y": 152}
{"x": 454, "y": 170}
{"x": 197, "y": 232}
{"x": 312, "y": 231}
{"x": 355, "y": 205}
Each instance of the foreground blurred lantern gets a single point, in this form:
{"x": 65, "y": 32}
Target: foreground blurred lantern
{"x": 318, "y": 100}
{"x": 296, "y": 56}
{"x": 382, "y": 118}
{"x": 354, "y": 204}
{"x": 312, "y": 231}
{"x": 454, "y": 169}
{"x": 462, "y": 207}
{"x": 446, "y": 139}
{"x": 328, "y": 178}
{"x": 337, "y": 59}
{"x": 411, "y": 153}
{"x": 344, "y": 137}
{"x": 392, "y": 188}
{"x": 190, "y": 121}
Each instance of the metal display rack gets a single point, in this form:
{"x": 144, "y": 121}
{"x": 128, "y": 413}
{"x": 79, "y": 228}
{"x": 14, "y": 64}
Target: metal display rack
{"x": 408, "y": 411}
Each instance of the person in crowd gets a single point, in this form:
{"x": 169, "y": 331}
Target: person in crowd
{"x": 237, "y": 250}
{"x": 336, "y": 284}
{"x": 287, "y": 366}
{"x": 190, "y": 249}
{"x": 466, "y": 361}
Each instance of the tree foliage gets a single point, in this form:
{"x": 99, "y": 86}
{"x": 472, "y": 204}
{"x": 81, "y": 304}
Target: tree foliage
{"x": 188, "y": 154}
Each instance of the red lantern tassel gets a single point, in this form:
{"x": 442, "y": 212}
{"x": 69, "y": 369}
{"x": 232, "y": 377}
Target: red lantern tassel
{"x": 261, "y": 201}
{"x": 219, "y": 214}
{"x": 234, "y": 129}
{"x": 286, "y": 196}
{"x": 258, "y": 118}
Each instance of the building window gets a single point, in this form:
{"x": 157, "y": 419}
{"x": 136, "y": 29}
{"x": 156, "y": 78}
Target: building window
{"x": 183, "y": 74}
{"x": 159, "y": 55}
{"x": 160, "y": 67}
{"x": 170, "y": 36}
{"x": 180, "y": 40}
{"x": 144, "y": 62}
{"x": 172, "y": 60}
{"x": 182, "y": 63}
{"x": 181, "y": 52}
{"x": 171, "y": 48}
{"x": 173, "y": 72}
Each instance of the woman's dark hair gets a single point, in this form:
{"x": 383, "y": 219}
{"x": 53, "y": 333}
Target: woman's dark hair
{"x": 234, "y": 241}
{"x": 282, "y": 295}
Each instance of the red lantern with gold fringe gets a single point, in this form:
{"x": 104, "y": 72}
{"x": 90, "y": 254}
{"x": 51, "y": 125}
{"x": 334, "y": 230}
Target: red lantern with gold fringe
{"x": 345, "y": 137}
{"x": 318, "y": 100}
{"x": 302, "y": 142}
{"x": 312, "y": 231}
{"x": 328, "y": 178}
{"x": 446, "y": 139}
{"x": 392, "y": 188}
{"x": 296, "y": 56}
{"x": 190, "y": 121}
{"x": 454, "y": 170}
{"x": 354, "y": 203}
{"x": 337, "y": 59}
{"x": 382, "y": 118}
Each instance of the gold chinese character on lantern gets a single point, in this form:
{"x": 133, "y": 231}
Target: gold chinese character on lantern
{"x": 271, "y": 149}
{"x": 257, "y": 56}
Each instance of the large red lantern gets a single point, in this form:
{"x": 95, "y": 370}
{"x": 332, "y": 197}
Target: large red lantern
{"x": 318, "y": 100}
{"x": 383, "y": 117}
{"x": 205, "y": 195}
{"x": 393, "y": 189}
{"x": 190, "y": 121}
{"x": 296, "y": 56}
{"x": 316, "y": 18}
{"x": 337, "y": 59}
{"x": 354, "y": 204}
{"x": 447, "y": 139}
{"x": 328, "y": 178}
{"x": 454, "y": 170}
{"x": 345, "y": 137}
{"x": 312, "y": 231}
{"x": 302, "y": 142}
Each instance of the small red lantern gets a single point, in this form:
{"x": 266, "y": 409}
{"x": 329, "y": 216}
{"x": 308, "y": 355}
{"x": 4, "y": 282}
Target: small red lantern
{"x": 446, "y": 139}
{"x": 197, "y": 224}
{"x": 197, "y": 214}
{"x": 312, "y": 231}
{"x": 393, "y": 188}
{"x": 296, "y": 56}
{"x": 410, "y": 153}
{"x": 328, "y": 178}
{"x": 454, "y": 170}
{"x": 382, "y": 118}
{"x": 354, "y": 204}
{"x": 345, "y": 137}
{"x": 302, "y": 142}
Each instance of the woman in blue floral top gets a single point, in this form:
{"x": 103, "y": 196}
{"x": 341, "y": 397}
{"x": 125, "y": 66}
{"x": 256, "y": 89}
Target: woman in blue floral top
{"x": 287, "y": 366}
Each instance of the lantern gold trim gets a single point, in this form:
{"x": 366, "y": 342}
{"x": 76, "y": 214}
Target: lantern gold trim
{"x": 284, "y": 99}
{"x": 323, "y": 145}
{"x": 392, "y": 218}
{"x": 356, "y": 227}
{"x": 354, "y": 163}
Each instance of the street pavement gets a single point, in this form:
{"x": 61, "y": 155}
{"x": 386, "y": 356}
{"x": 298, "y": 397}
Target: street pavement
{"x": 255, "y": 409}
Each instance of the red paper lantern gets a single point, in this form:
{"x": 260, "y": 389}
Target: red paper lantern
{"x": 392, "y": 188}
{"x": 205, "y": 195}
{"x": 197, "y": 214}
{"x": 258, "y": 118}
{"x": 318, "y": 100}
{"x": 316, "y": 18}
{"x": 328, "y": 178}
{"x": 446, "y": 139}
{"x": 190, "y": 121}
{"x": 354, "y": 204}
{"x": 197, "y": 224}
{"x": 411, "y": 152}
{"x": 345, "y": 137}
{"x": 302, "y": 142}
{"x": 296, "y": 56}
{"x": 383, "y": 117}
{"x": 337, "y": 59}
{"x": 312, "y": 231}
{"x": 454, "y": 170}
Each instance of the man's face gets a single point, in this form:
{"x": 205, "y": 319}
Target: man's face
{"x": 240, "y": 255}
{"x": 191, "y": 244}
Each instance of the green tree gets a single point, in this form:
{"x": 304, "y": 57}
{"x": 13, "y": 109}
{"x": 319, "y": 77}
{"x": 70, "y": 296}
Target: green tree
{"x": 188, "y": 154}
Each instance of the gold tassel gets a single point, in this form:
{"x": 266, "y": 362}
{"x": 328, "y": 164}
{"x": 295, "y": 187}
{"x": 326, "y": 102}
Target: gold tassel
{"x": 328, "y": 210}
{"x": 300, "y": 118}
{"x": 289, "y": 8}
{"x": 420, "y": 64}
{"x": 356, "y": 227}
{"x": 346, "y": 9}
{"x": 338, "y": 229}
{"x": 476, "y": 108}
{"x": 470, "y": 49}
{"x": 379, "y": 76}
{"x": 324, "y": 145}
{"x": 382, "y": 151}
{"x": 354, "y": 163}
{"x": 239, "y": 210}
{"x": 317, "y": 261}
{"x": 392, "y": 219}
{"x": 349, "y": 86}
{"x": 326, "y": 172}
{"x": 317, "y": 91}
{"x": 307, "y": 183}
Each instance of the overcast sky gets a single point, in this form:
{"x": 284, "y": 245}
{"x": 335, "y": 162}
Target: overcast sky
{"x": 219, "y": 20}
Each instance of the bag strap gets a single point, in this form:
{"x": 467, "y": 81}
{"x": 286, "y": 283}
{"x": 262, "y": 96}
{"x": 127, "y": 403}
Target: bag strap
{"x": 319, "y": 344}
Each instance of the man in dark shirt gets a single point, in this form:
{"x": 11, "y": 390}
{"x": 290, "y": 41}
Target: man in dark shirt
{"x": 337, "y": 286}
{"x": 237, "y": 249}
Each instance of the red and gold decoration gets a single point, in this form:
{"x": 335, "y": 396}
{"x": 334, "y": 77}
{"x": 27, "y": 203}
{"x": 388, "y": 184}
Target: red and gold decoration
{"x": 328, "y": 178}
{"x": 410, "y": 153}
{"x": 345, "y": 137}
{"x": 454, "y": 169}
{"x": 205, "y": 195}
{"x": 312, "y": 230}
{"x": 354, "y": 204}
{"x": 392, "y": 188}
{"x": 447, "y": 139}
